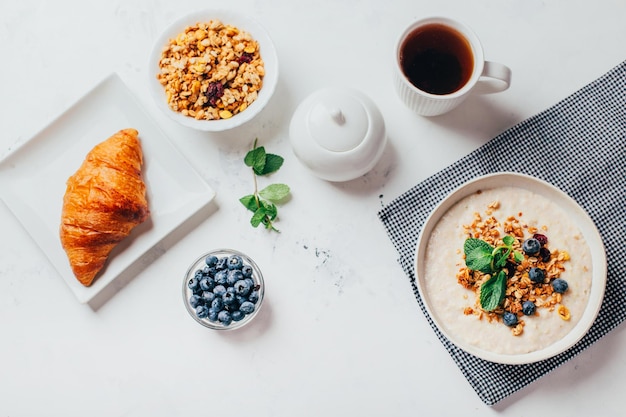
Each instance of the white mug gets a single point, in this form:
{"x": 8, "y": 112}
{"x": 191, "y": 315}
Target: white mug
{"x": 433, "y": 76}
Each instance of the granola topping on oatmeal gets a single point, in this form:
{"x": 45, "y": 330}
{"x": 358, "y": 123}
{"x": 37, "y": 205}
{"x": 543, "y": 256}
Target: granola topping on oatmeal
{"x": 520, "y": 287}
{"x": 211, "y": 71}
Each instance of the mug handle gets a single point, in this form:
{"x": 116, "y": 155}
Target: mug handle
{"x": 495, "y": 78}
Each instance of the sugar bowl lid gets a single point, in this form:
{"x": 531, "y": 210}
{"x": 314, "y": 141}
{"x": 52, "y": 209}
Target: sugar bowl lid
{"x": 338, "y": 133}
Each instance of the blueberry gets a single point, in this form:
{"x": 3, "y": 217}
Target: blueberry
{"x": 198, "y": 274}
{"x": 195, "y": 300}
{"x": 222, "y": 263}
{"x": 528, "y": 308}
{"x": 210, "y": 260}
{"x": 221, "y": 277}
{"x": 246, "y": 307}
{"x": 209, "y": 271}
{"x": 511, "y": 268}
{"x": 531, "y": 246}
{"x": 254, "y": 297}
{"x": 234, "y": 275}
{"x": 235, "y": 262}
{"x": 219, "y": 290}
{"x": 237, "y": 315}
{"x": 559, "y": 285}
{"x": 193, "y": 284}
{"x": 509, "y": 318}
{"x": 202, "y": 311}
{"x": 246, "y": 270}
{"x": 213, "y": 314}
{"x": 208, "y": 297}
{"x": 544, "y": 254}
{"x": 241, "y": 298}
{"x": 229, "y": 299}
{"x": 224, "y": 317}
{"x": 217, "y": 303}
{"x": 536, "y": 275}
{"x": 206, "y": 284}
{"x": 242, "y": 287}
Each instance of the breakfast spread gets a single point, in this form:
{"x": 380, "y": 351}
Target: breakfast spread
{"x": 211, "y": 71}
{"x": 507, "y": 271}
{"x": 104, "y": 200}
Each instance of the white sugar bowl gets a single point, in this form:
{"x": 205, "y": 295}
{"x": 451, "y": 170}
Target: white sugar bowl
{"x": 338, "y": 133}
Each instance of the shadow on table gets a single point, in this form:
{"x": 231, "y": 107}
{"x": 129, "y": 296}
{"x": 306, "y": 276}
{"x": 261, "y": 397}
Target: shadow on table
{"x": 252, "y": 330}
{"x": 480, "y": 118}
{"x": 567, "y": 378}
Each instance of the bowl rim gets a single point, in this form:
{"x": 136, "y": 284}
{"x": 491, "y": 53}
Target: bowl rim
{"x": 587, "y": 228}
{"x": 242, "y": 22}
{"x": 258, "y": 277}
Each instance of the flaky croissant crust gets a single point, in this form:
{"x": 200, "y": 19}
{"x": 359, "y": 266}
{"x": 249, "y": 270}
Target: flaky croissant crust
{"x": 104, "y": 200}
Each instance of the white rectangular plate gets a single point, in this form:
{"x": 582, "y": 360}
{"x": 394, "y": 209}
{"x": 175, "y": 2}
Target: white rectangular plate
{"x": 32, "y": 179}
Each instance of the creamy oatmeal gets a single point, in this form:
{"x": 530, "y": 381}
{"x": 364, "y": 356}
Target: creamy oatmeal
{"x": 457, "y": 308}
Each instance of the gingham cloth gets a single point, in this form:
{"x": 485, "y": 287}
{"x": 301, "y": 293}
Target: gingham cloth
{"x": 578, "y": 145}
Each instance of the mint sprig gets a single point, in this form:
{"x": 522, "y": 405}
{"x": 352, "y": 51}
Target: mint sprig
{"x": 481, "y": 256}
{"x": 263, "y": 202}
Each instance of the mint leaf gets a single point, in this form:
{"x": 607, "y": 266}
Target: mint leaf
{"x": 473, "y": 243}
{"x": 249, "y": 202}
{"x": 262, "y": 203}
{"x": 272, "y": 164}
{"x": 258, "y": 217}
{"x": 265, "y": 214}
{"x": 500, "y": 258}
{"x": 478, "y": 255}
{"x": 508, "y": 240}
{"x": 275, "y": 192}
{"x": 492, "y": 292}
{"x": 256, "y": 159}
{"x": 501, "y": 253}
{"x": 481, "y": 256}
{"x": 270, "y": 210}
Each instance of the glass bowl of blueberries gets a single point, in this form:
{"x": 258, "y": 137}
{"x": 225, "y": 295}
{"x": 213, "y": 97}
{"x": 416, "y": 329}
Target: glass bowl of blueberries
{"x": 223, "y": 289}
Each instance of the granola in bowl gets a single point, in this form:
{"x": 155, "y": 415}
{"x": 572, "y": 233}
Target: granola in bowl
{"x": 213, "y": 70}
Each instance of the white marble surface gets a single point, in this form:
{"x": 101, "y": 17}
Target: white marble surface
{"x": 341, "y": 332}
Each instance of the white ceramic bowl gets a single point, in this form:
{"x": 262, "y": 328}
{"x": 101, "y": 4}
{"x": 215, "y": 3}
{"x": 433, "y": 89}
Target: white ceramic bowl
{"x": 582, "y": 220}
{"x": 242, "y": 22}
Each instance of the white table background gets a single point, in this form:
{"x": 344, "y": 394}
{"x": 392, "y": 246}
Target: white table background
{"x": 340, "y": 332}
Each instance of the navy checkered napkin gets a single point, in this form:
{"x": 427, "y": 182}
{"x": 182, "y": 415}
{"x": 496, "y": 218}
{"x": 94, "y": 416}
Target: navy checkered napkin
{"x": 578, "y": 145}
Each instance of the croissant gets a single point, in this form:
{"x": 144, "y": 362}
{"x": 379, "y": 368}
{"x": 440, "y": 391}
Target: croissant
{"x": 104, "y": 200}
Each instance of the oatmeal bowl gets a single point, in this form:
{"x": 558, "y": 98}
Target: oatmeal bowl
{"x": 510, "y": 269}
{"x": 213, "y": 70}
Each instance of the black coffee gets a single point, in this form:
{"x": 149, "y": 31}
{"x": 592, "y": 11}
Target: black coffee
{"x": 437, "y": 59}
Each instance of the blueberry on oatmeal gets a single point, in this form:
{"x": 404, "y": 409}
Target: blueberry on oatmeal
{"x": 531, "y": 246}
{"x": 536, "y": 275}
{"x": 528, "y": 308}
{"x": 560, "y": 285}
{"x": 509, "y": 318}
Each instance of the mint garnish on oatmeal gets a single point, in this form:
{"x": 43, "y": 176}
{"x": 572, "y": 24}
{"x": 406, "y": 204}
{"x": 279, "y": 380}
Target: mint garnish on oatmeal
{"x": 481, "y": 256}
